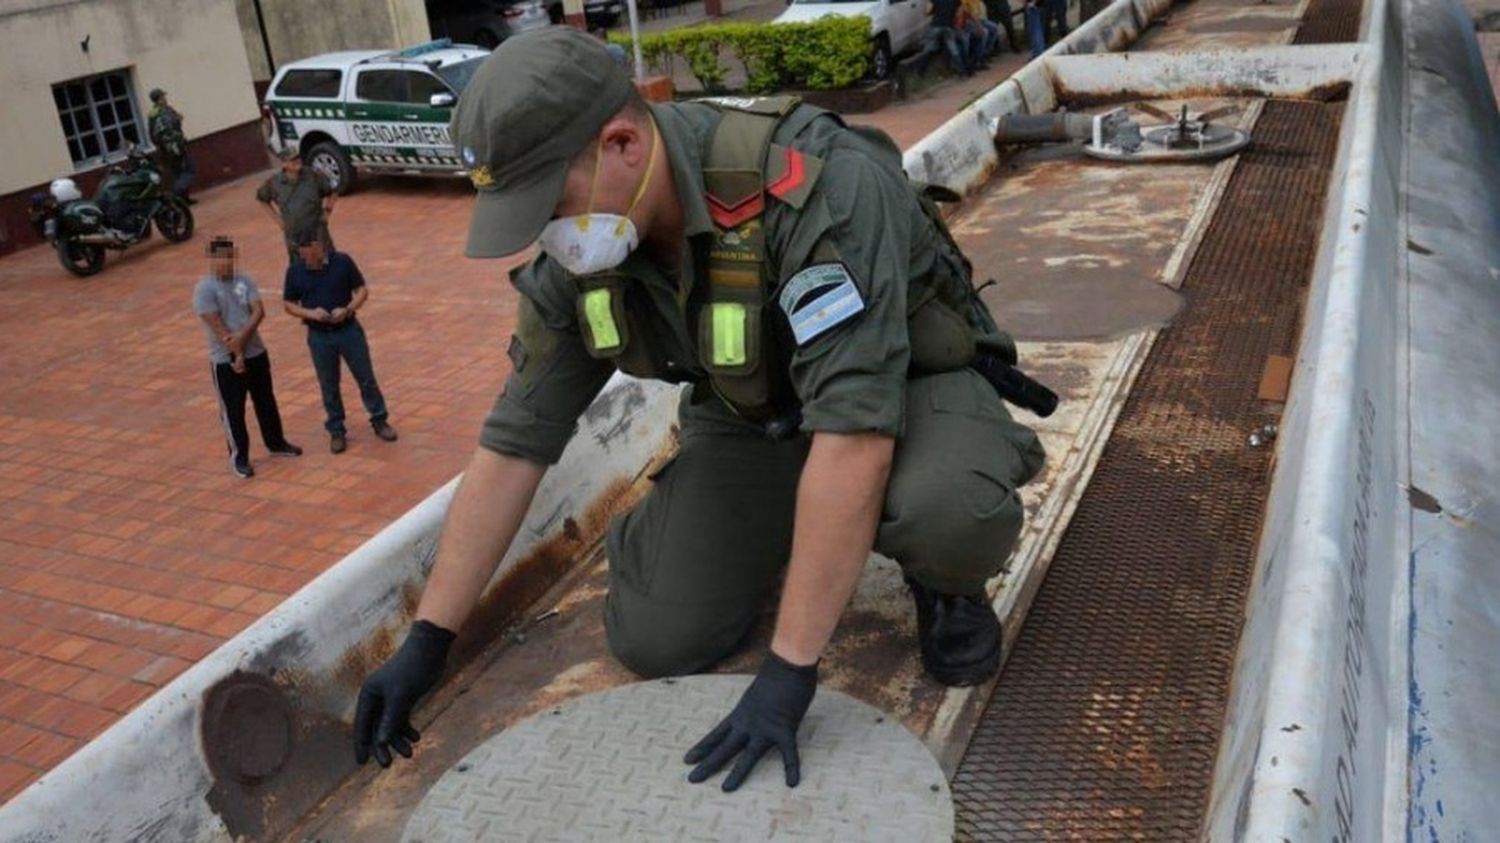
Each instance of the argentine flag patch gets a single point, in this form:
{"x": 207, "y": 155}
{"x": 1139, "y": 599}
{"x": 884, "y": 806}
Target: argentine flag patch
{"x": 819, "y": 298}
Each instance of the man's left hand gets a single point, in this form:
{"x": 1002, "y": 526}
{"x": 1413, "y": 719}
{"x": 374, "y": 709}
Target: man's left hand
{"x": 766, "y": 718}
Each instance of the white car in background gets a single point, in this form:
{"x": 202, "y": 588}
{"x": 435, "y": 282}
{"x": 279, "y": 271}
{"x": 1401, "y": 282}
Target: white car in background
{"x": 896, "y": 26}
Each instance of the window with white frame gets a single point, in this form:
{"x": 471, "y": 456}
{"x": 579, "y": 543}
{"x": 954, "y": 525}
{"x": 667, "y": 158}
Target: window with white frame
{"x": 98, "y": 116}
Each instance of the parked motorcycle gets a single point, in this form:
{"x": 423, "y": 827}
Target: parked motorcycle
{"x": 129, "y": 199}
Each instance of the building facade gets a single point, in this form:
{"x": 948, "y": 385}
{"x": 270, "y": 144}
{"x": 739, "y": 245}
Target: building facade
{"x": 77, "y": 74}
{"x": 280, "y": 31}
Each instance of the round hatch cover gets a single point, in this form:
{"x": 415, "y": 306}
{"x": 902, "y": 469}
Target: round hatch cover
{"x": 608, "y": 766}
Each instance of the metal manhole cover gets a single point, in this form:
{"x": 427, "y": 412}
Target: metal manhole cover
{"x": 609, "y": 766}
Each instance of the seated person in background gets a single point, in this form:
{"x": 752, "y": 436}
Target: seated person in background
{"x": 984, "y": 35}
{"x": 943, "y": 34}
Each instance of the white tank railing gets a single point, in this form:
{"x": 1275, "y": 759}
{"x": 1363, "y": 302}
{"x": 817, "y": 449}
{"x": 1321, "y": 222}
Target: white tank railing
{"x": 1324, "y": 738}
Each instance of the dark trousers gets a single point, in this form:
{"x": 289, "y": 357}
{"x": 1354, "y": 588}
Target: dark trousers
{"x": 1055, "y": 13}
{"x": 232, "y": 387}
{"x": 346, "y": 342}
{"x": 691, "y": 567}
{"x": 1036, "y": 34}
{"x": 950, "y": 41}
{"x": 181, "y": 171}
{"x": 1008, "y": 21}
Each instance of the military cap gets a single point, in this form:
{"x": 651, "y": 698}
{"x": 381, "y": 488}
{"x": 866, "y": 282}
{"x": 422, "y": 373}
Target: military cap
{"x": 533, "y": 105}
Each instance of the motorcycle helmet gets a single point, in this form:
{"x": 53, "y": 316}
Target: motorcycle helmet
{"x": 64, "y": 190}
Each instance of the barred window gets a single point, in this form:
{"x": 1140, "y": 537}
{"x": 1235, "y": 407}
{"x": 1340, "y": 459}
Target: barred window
{"x": 98, "y": 116}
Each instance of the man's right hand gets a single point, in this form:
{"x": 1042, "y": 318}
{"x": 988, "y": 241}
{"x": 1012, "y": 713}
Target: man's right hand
{"x": 321, "y": 314}
{"x": 382, "y": 717}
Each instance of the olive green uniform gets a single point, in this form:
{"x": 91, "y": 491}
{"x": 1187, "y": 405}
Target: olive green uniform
{"x": 691, "y": 566}
{"x": 300, "y": 202}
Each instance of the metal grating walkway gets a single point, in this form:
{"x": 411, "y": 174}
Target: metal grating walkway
{"x": 1105, "y": 723}
{"x": 1330, "y": 22}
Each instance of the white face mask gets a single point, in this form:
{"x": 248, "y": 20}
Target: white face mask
{"x": 590, "y": 242}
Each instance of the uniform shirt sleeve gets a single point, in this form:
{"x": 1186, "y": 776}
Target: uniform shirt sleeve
{"x": 851, "y": 377}
{"x": 252, "y": 292}
{"x": 325, "y": 187}
{"x": 553, "y": 378}
{"x": 266, "y": 193}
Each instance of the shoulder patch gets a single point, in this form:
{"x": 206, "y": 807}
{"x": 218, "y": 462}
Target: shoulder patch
{"x": 818, "y": 299}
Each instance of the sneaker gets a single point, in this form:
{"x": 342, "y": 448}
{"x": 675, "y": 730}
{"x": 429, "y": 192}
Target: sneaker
{"x": 337, "y": 443}
{"x": 242, "y": 469}
{"x": 384, "y": 430}
{"x": 959, "y": 636}
{"x": 285, "y": 449}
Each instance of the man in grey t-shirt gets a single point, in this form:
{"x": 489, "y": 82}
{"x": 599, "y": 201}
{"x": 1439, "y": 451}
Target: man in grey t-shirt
{"x": 230, "y": 308}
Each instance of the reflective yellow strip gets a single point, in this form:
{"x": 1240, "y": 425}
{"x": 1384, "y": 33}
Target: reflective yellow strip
{"x": 729, "y": 333}
{"x": 601, "y": 319}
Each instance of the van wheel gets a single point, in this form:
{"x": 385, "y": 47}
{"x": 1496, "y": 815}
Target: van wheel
{"x": 329, "y": 159}
{"x": 880, "y": 59}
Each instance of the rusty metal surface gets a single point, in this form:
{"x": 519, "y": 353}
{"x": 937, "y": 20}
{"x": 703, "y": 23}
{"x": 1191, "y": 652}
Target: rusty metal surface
{"x": 1209, "y": 24}
{"x": 1076, "y": 247}
{"x": 1105, "y": 723}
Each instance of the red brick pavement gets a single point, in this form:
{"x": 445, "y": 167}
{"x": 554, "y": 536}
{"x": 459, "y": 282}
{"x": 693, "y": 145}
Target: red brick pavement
{"x": 127, "y": 549}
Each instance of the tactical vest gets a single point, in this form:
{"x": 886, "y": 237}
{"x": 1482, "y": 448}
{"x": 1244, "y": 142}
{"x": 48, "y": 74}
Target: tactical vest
{"x": 741, "y": 344}
{"x": 744, "y": 349}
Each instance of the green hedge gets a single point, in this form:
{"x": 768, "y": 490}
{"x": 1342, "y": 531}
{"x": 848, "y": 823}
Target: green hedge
{"x": 823, "y": 55}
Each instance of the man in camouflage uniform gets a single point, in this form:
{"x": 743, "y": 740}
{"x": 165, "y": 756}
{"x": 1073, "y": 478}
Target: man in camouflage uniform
{"x": 781, "y": 264}
{"x": 165, "y": 128}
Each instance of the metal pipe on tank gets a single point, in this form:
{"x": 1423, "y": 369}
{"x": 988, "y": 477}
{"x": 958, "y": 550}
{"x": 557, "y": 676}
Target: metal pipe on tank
{"x": 1044, "y": 128}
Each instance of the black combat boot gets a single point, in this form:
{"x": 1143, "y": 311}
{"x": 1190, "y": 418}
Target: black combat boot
{"x": 959, "y": 636}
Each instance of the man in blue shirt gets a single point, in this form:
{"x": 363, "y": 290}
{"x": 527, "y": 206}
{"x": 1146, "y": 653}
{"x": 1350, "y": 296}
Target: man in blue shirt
{"x": 325, "y": 291}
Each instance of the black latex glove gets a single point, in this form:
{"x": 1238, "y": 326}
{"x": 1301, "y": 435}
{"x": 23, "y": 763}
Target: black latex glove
{"x": 766, "y": 717}
{"x": 382, "y": 717}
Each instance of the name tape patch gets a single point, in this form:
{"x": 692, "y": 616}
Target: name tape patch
{"x": 818, "y": 299}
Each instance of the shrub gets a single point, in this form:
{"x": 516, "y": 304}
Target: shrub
{"x": 822, "y": 55}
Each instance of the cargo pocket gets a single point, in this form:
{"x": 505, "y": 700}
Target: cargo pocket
{"x": 1006, "y": 450}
